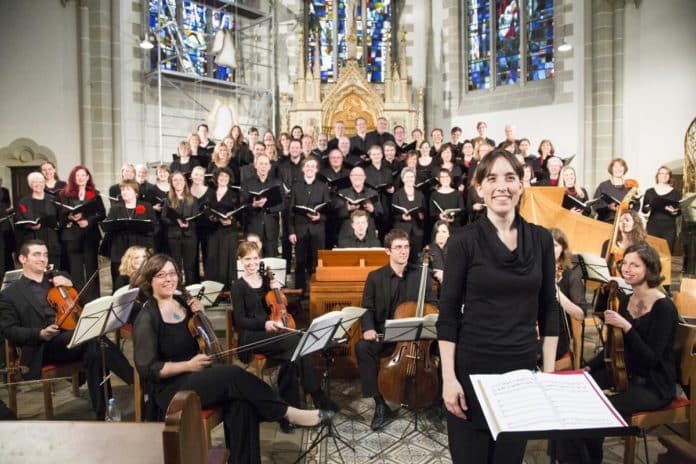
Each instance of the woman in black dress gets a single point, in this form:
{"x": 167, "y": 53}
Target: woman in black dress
{"x": 615, "y": 188}
{"x": 168, "y": 360}
{"x": 445, "y": 160}
{"x": 251, "y": 318}
{"x": 204, "y": 227}
{"x": 80, "y": 232}
{"x": 53, "y": 183}
{"x": 38, "y": 205}
{"x": 130, "y": 208}
{"x": 221, "y": 159}
{"x": 438, "y": 249}
{"x": 183, "y": 161}
{"x": 181, "y": 234}
{"x": 221, "y": 265}
{"x": 497, "y": 332}
{"x": 405, "y": 199}
{"x": 648, "y": 320}
{"x": 156, "y": 196}
{"x": 569, "y": 181}
{"x": 663, "y": 216}
{"x": 445, "y": 197}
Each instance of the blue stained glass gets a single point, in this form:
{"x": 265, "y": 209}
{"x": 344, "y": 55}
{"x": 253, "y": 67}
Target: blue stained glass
{"x": 195, "y": 36}
{"x": 478, "y": 38}
{"x": 540, "y": 61}
{"x": 161, "y": 20}
{"x": 507, "y": 42}
{"x": 341, "y": 32}
{"x": 378, "y": 22}
{"x": 320, "y": 33}
{"x": 222, "y": 20}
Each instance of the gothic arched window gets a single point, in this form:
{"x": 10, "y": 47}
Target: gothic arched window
{"x": 508, "y": 42}
{"x": 326, "y": 40}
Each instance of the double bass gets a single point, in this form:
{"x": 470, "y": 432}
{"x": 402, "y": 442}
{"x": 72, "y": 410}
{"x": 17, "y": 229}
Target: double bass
{"x": 409, "y": 376}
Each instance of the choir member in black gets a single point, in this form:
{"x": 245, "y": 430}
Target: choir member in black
{"x": 251, "y": 318}
{"x": 339, "y": 131}
{"x": 127, "y": 173}
{"x": 322, "y": 149}
{"x": 80, "y": 232}
{"x": 499, "y": 333}
{"x": 198, "y": 153}
{"x": 358, "y": 142}
{"x": 436, "y": 139}
{"x": 408, "y": 198}
{"x": 334, "y": 171}
{"x": 379, "y": 136}
{"x": 391, "y": 158}
{"x": 290, "y": 169}
{"x": 445, "y": 197}
{"x": 538, "y": 161}
{"x": 426, "y": 164}
{"x": 400, "y": 140}
{"x": 181, "y": 234}
{"x": 509, "y": 138}
{"x": 553, "y": 173}
{"x": 206, "y": 146}
{"x": 648, "y": 320}
{"x": 284, "y": 144}
{"x": 358, "y": 190}
{"x": 663, "y": 217}
{"x": 261, "y": 219}
{"x": 456, "y": 143}
{"x": 307, "y": 142}
{"x": 296, "y": 133}
{"x": 385, "y": 289}
{"x": 615, "y": 188}
{"x": 305, "y": 229}
{"x": 38, "y": 205}
{"x": 204, "y": 227}
{"x": 158, "y": 195}
{"x": 221, "y": 159}
{"x": 240, "y": 149}
{"x": 438, "y": 249}
{"x": 358, "y": 235}
{"x": 28, "y": 321}
{"x": 129, "y": 208}
{"x": 378, "y": 175}
{"x": 145, "y": 188}
{"x": 523, "y": 146}
{"x": 182, "y": 161}
{"x": 234, "y": 158}
{"x": 417, "y": 136}
{"x": 482, "y": 129}
{"x": 570, "y": 290}
{"x": 168, "y": 360}
{"x": 569, "y": 181}
{"x": 53, "y": 183}
{"x": 221, "y": 265}
{"x": 5, "y": 200}
{"x": 249, "y": 171}
{"x": 445, "y": 160}
{"x": 6, "y": 235}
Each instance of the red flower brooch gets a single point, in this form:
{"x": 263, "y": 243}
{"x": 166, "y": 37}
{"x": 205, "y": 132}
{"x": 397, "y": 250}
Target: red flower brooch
{"x": 89, "y": 195}
{"x": 140, "y": 209}
{"x": 22, "y": 208}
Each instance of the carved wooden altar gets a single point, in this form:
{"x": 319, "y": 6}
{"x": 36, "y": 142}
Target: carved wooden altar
{"x": 316, "y": 106}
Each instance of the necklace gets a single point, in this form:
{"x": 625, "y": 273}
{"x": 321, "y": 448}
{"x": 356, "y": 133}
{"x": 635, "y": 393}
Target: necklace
{"x": 176, "y": 316}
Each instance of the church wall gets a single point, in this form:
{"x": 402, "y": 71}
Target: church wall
{"x": 659, "y": 90}
{"x": 39, "y": 83}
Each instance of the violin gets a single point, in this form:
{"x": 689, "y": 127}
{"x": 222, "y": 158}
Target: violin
{"x": 278, "y": 303}
{"x": 201, "y": 329}
{"x": 614, "y": 349}
{"x": 65, "y": 302}
{"x": 409, "y": 376}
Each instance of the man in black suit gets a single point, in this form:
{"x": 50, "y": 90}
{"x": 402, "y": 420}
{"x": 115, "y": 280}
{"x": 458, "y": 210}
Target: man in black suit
{"x": 380, "y": 135}
{"x": 358, "y": 142}
{"x": 339, "y": 131}
{"x": 358, "y": 235}
{"x": 306, "y": 229}
{"x": 385, "y": 289}
{"x": 27, "y": 320}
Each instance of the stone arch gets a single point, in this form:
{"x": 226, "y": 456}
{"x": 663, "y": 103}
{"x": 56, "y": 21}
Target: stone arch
{"x": 23, "y": 152}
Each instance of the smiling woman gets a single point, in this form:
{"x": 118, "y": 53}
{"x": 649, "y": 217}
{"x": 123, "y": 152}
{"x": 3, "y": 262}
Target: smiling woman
{"x": 500, "y": 250}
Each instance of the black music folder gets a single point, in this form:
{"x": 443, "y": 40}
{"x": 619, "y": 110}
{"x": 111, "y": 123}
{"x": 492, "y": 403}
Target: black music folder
{"x": 273, "y": 195}
{"x": 87, "y": 208}
{"x": 141, "y": 226}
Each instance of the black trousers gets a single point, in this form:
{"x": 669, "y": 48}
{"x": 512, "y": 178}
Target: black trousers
{"x": 82, "y": 263}
{"x": 266, "y": 226}
{"x": 638, "y": 397}
{"x": 291, "y": 374}
{"x": 369, "y": 354}
{"x": 244, "y": 399}
{"x": 56, "y": 351}
{"x": 183, "y": 250}
{"x": 306, "y": 251}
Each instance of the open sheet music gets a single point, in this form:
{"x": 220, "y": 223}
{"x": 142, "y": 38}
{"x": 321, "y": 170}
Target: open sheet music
{"x": 411, "y": 328}
{"x": 329, "y": 327}
{"x": 524, "y": 401}
{"x": 595, "y": 268}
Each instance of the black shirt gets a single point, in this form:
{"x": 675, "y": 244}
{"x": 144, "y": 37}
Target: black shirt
{"x": 40, "y": 292}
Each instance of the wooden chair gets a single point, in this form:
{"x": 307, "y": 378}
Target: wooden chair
{"x": 681, "y": 409}
{"x": 210, "y": 418}
{"x": 49, "y": 373}
{"x": 568, "y": 362}
{"x": 183, "y": 438}
{"x": 685, "y": 298}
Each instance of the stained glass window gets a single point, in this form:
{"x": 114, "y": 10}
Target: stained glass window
{"x": 507, "y": 50}
{"x": 327, "y": 29}
{"x": 222, "y": 20}
{"x": 163, "y": 22}
{"x": 510, "y": 44}
{"x": 539, "y": 39}
{"x": 195, "y": 36}
{"x": 479, "y": 51}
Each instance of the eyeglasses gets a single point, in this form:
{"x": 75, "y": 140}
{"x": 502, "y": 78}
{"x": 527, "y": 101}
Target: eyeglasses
{"x": 401, "y": 247}
{"x": 164, "y": 275}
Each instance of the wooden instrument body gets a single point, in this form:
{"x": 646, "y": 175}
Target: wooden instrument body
{"x": 614, "y": 349}
{"x": 64, "y": 300}
{"x": 278, "y": 304}
{"x": 201, "y": 329}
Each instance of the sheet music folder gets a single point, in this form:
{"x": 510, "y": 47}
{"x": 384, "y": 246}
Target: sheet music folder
{"x": 524, "y": 404}
{"x": 410, "y": 329}
{"x": 326, "y": 329}
{"x": 103, "y": 315}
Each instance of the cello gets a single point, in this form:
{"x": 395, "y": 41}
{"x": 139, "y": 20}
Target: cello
{"x": 409, "y": 377}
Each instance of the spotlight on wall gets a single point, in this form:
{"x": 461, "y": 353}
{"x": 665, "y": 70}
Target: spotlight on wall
{"x": 146, "y": 44}
{"x": 565, "y": 47}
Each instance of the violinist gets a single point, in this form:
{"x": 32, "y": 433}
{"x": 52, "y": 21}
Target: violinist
{"x": 501, "y": 270}
{"x": 27, "y": 320}
{"x": 648, "y": 320}
{"x": 251, "y": 318}
{"x": 80, "y": 233}
{"x": 385, "y": 289}
{"x": 615, "y": 188}
{"x": 36, "y": 217}
{"x": 168, "y": 360}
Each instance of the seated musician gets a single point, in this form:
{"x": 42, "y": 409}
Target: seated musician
{"x": 385, "y": 289}
{"x": 29, "y": 321}
{"x": 648, "y": 320}
{"x": 251, "y": 318}
{"x": 358, "y": 234}
{"x": 631, "y": 232}
{"x": 168, "y": 359}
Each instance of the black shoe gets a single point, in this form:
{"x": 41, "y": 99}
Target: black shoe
{"x": 286, "y": 426}
{"x": 383, "y": 416}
